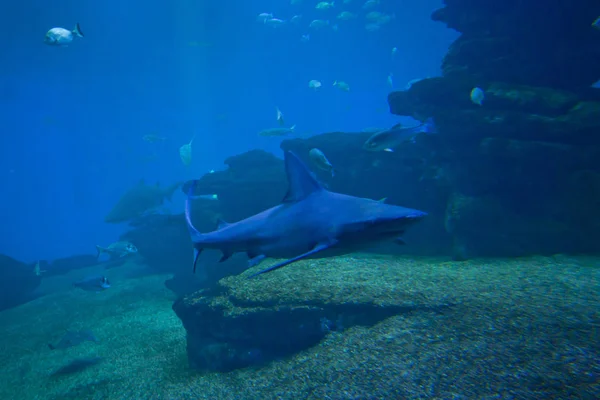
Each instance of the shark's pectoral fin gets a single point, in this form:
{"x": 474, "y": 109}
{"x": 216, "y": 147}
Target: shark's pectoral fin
{"x": 315, "y": 250}
{"x": 225, "y": 256}
{"x": 399, "y": 241}
{"x": 197, "y": 251}
{"x": 254, "y": 260}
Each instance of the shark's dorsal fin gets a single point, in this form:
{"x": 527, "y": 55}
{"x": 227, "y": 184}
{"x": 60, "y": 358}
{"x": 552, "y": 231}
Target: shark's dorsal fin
{"x": 302, "y": 182}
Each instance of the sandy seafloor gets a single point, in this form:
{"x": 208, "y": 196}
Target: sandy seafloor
{"x": 526, "y": 328}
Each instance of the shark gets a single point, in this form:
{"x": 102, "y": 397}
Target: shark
{"x": 310, "y": 222}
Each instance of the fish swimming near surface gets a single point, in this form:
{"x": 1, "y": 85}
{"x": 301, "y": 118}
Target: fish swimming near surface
{"x": 93, "y": 283}
{"x": 74, "y": 338}
{"x": 62, "y": 36}
{"x": 139, "y": 201}
{"x": 388, "y": 139}
{"x": 117, "y": 249}
{"x": 311, "y": 222}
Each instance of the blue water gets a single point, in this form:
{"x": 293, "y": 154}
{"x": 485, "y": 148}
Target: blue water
{"x": 73, "y": 118}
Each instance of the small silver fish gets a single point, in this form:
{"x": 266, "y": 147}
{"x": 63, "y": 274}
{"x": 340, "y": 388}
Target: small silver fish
{"x": 93, "y": 283}
{"x": 210, "y": 197}
{"x": 369, "y": 4}
{"x": 324, "y": 5}
{"x": 62, "y": 36}
{"x": 372, "y": 27}
{"x": 37, "y": 270}
{"x": 390, "y": 80}
{"x": 320, "y": 161}
{"x": 318, "y": 24}
{"x": 274, "y": 22}
{"x": 277, "y": 131}
{"x": 314, "y": 84}
{"x": 388, "y": 139}
{"x": 153, "y": 138}
{"x": 596, "y": 23}
{"x": 343, "y": 86}
{"x": 346, "y": 15}
{"x": 263, "y": 17}
{"x": 117, "y": 249}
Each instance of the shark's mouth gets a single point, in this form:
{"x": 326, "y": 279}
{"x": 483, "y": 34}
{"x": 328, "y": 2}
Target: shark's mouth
{"x": 399, "y": 225}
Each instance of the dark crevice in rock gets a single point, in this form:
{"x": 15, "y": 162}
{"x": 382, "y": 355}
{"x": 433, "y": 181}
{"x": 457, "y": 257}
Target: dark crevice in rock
{"x": 265, "y": 331}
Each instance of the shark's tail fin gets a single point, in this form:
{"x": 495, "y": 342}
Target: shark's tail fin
{"x": 195, "y": 235}
{"x": 99, "y": 250}
{"x": 77, "y": 31}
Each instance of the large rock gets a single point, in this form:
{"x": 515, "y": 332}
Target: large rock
{"x": 243, "y": 322}
{"x": 17, "y": 282}
{"x": 516, "y": 41}
{"x": 510, "y": 111}
{"x": 483, "y": 225}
